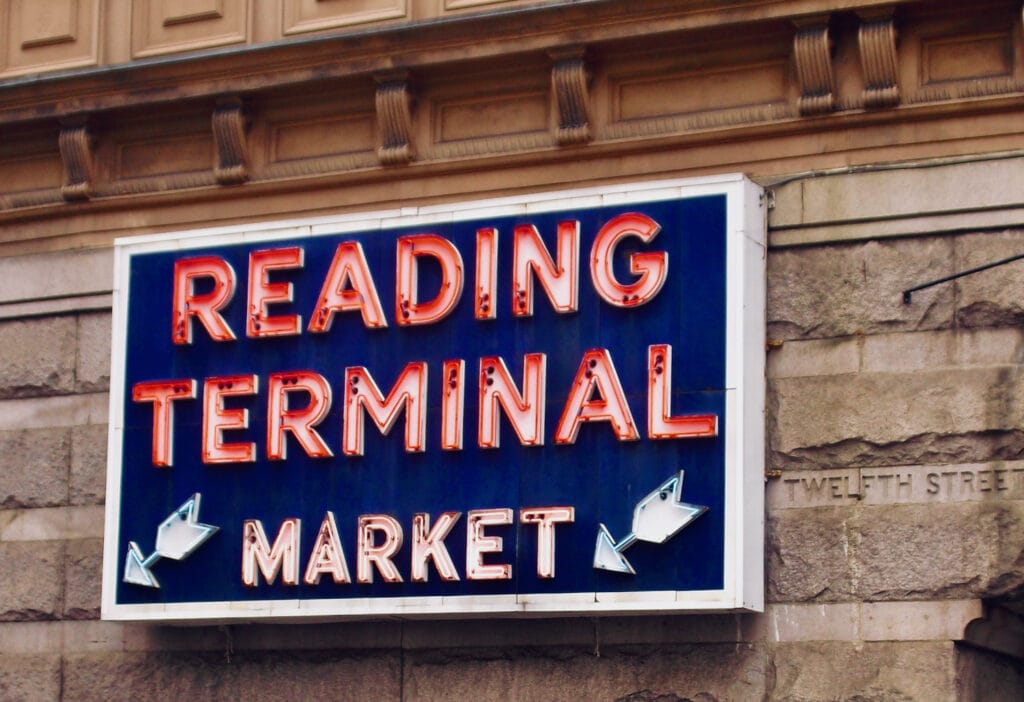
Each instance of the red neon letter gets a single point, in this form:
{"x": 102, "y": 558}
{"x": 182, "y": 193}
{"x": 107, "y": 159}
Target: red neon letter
{"x": 409, "y": 392}
{"x": 408, "y": 308}
{"x": 327, "y": 556}
{"x": 660, "y": 422}
{"x": 188, "y": 304}
{"x": 217, "y": 419}
{"x": 596, "y": 372}
{"x": 429, "y": 543}
{"x": 453, "y": 394}
{"x": 477, "y": 544}
{"x": 348, "y": 268}
{"x": 486, "y": 273}
{"x": 257, "y": 553}
{"x": 545, "y": 518}
{"x": 651, "y": 266}
{"x": 371, "y": 553}
{"x": 262, "y": 292}
{"x": 525, "y": 412}
{"x": 300, "y": 422}
{"x": 561, "y": 282}
{"x": 163, "y": 393}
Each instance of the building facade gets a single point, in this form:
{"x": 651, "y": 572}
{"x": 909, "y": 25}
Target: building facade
{"x": 888, "y": 139}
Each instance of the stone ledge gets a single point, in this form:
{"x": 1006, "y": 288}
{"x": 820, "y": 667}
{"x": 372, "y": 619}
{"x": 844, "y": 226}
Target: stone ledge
{"x": 872, "y": 621}
{"x": 897, "y": 353}
{"x": 55, "y": 283}
{"x": 876, "y": 204}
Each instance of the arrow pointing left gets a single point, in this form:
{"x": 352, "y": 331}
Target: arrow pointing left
{"x": 177, "y": 536}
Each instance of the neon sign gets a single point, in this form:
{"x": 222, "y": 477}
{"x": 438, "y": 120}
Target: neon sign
{"x": 444, "y": 410}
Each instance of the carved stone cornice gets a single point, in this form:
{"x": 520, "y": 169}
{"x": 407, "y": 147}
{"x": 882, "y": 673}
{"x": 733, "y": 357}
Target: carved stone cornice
{"x": 394, "y": 118}
{"x": 877, "y": 40}
{"x": 570, "y": 85}
{"x": 76, "y": 153}
{"x": 230, "y": 137}
{"x": 812, "y": 52}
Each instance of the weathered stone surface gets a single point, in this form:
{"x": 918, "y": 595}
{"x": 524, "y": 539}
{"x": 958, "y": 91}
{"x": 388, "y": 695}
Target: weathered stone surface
{"x": 34, "y": 467}
{"x": 1006, "y": 578}
{"x": 31, "y": 580}
{"x": 849, "y": 289}
{"x": 994, "y": 297}
{"x": 27, "y": 678}
{"x": 808, "y": 555}
{"x": 305, "y": 675}
{"x": 92, "y": 370}
{"x": 941, "y": 416}
{"x": 675, "y": 673}
{"x": 88, "y": 465}
{"x": 83, "y": 574}
{"x": 987, "y": 677}
{"x": 865, "y": 671}
{"x": 924, "y": 551}
{"x": 957, "y": 550}
{"x": 39, "y": 357}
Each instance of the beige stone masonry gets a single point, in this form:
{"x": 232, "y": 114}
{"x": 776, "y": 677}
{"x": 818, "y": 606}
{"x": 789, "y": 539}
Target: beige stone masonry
{"x": 874, "y": 204}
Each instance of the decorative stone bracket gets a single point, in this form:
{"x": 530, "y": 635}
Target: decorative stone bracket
{"x": 812, "y": 51}
{"x": 570, "y": 84}
{"x": 394, "y": 118}
{"x": 877, "y": 40}
{"x": 76, "y": 152}
{"x": 229, "y": 134}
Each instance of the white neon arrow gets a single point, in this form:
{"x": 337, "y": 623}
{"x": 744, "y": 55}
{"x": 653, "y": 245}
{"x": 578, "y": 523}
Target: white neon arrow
{"x": 657, "y": 518}
{"x": 176, "y": 537}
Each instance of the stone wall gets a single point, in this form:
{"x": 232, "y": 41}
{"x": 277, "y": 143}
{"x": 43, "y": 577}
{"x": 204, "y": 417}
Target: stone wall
{"x": 895, "y": 524}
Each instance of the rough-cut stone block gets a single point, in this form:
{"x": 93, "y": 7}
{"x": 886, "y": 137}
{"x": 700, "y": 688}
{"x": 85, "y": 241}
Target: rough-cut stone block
{"x": 994, "y": 297}
{"x": 642, "y": 673}
{"x": 34, "y": 468}
{"x": 1006, "y": 576}
{"x": 304, "y": 675}
{"x": 31, "y": 580}
{"x": 807, "y": 555}
{"x": 39, "y": 357}
{"x": 986, "y": 677}
{"x": 92, "y": 371}
{"x": 27, "y": 678}
{"x": 88, "y": 465}
{"x": 849, "y": 289}
{"x": 83, "y": 573}
{"x": 943, "y": 416}
{"x": 865, "y": 671}
{"x": 946, "y": 551}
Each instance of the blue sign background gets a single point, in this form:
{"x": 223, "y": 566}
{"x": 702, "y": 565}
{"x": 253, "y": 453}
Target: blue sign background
{"x": 601, "y": 477}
